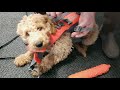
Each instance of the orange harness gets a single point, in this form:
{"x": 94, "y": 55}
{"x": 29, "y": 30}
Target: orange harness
{"x": 73, "y": 17}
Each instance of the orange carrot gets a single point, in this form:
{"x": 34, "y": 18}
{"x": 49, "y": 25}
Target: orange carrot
{"x": 92, "y": 72}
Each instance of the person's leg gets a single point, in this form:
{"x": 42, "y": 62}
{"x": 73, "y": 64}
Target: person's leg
{"x": 109, "y": 44}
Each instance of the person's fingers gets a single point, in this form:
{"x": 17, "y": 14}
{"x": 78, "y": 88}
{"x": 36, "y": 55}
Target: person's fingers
{"x": 74, "y": 34}
{"x": 53, "y": 14}
{"x": 79, "y": 34}
{"x": 84, "y": 33}
{"x": 58, "y": 13}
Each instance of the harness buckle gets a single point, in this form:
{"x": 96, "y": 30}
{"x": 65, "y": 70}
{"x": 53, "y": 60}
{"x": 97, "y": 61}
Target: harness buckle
{"x": 59, "y": 25}
{"x": 32, "y": 65}
{"x": 78, "y": 29}
{"x": 67, "y": 21}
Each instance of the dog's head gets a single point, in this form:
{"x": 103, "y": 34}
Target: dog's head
{"x": 35, "y": 30}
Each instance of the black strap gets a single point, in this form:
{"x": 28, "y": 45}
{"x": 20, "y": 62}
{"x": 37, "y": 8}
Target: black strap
{"x": 9, "y": 42}
{"x": 7, "y": 58}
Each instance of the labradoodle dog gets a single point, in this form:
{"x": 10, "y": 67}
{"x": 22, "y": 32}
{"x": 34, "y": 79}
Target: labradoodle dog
{"x": 35, "y": 30}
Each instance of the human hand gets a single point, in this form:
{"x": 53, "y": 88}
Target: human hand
{"x": 54, "y": 14}
{"x": 87, "y": 20}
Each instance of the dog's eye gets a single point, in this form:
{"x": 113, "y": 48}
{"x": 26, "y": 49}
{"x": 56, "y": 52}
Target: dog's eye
{"x": 39, "y": 28}
{"x": 27, "y": 34}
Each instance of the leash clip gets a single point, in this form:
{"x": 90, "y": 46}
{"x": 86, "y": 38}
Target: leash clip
{"x": 80, "y": 29}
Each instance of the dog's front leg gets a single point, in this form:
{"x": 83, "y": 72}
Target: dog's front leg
{"x": 46, "y": 64}
{"x": 23, "y": 59}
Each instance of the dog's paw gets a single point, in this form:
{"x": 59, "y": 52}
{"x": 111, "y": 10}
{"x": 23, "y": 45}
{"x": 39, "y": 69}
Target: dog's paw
{"x": 35, "y": 72}
{"x": 21, "y": 60}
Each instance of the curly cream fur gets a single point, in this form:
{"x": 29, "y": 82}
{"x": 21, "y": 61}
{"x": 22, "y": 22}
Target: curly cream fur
{"x": 36, "y": 28}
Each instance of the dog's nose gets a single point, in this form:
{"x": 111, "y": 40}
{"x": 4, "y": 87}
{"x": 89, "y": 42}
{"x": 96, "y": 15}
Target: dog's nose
{"x": 39, "y": 44}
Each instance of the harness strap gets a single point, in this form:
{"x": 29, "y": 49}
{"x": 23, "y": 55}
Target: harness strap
{"x": 72, "y": 18}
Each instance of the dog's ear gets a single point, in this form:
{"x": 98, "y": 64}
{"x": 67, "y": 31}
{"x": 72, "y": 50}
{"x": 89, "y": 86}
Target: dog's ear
{"x": 19, "y": 26}
{"x": 52, "y": 30}
{"x": 24, "y": 17}
{"x": 52, "y": 27}
{"x": 19, "y": 31}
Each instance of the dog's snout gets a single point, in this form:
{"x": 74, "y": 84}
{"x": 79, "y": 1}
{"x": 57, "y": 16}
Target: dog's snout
{"x": 39, "y": 44}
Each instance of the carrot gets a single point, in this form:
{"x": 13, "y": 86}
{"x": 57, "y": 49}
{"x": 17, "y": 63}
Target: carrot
{"x": 92, "y": 72}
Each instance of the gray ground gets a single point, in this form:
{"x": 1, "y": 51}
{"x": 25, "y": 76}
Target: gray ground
{"x": 74, "y": 63}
